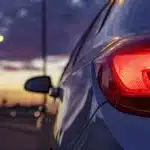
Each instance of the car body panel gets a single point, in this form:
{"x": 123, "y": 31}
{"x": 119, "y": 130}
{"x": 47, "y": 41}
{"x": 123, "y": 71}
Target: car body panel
{"x": 103, "y": 122}
{"x": 75, "y": 109}
{"x": 111, "y": 129}
{"x": 96, "y": 134}
{"x": 74, "y": 112}
{"x": 132, "y": 132}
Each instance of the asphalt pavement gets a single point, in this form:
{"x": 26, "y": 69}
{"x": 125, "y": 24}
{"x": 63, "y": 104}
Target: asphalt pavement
{"x": 21, "y": 133}
{"x": 18, "y": 134}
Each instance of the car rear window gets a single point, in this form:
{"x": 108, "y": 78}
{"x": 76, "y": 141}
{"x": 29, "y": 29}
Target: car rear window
{"x": 129, "y": 17}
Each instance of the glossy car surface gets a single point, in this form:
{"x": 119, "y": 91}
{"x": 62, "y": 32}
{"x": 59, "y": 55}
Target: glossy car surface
{"x": 86, "y": 120}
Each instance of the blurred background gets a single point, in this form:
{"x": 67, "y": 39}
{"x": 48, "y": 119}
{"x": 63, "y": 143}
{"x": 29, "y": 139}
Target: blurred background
{"x": 21, "y": 42}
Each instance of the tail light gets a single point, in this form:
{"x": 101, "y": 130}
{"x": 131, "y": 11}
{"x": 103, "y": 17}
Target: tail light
{"x": 124, "y": 77}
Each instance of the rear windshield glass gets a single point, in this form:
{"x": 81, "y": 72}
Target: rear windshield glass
{"x": 132, "y": 17}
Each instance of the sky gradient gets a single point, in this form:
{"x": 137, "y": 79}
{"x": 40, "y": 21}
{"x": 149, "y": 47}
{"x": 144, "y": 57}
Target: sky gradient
{"x": 20, "y": 23}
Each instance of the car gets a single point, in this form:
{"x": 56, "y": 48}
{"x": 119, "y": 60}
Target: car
{"x": 104, "y": 91}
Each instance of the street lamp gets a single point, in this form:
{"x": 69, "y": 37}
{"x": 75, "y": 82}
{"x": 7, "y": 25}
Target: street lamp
{"x": 44, "y": 37}
{"x": 44, "y": 32}
{"x": 1, "y": 38}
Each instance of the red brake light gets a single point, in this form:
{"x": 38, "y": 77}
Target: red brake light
{"x": 124, "y": 77}
{"x": 131, "y": 73}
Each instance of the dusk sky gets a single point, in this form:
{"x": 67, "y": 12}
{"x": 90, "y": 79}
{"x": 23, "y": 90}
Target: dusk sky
{"x": 20, "y": 24}
{"x": 20, "y": 42}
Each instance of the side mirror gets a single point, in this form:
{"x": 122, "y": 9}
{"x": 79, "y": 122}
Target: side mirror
{"x": 39, "y": 84}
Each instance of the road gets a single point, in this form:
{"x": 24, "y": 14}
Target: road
{"x": 21, "y": 134}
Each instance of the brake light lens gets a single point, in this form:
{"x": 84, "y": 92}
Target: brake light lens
{"x": 131, "y": 73}
{"x": 124, "y": 78}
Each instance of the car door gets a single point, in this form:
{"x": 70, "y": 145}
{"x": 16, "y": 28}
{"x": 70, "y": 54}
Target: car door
{"x": 75, "y": 109}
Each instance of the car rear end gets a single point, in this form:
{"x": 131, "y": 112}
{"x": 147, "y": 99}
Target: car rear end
{"x": 122, "y": 70}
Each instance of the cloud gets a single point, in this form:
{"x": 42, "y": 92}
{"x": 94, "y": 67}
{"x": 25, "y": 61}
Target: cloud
{"x": 67, "y": 20}
{"x": 22, "y": 13}
{"x": 78, "y": 3}
{"x": 1, "y": 15}
{"x": 35, "y": 1}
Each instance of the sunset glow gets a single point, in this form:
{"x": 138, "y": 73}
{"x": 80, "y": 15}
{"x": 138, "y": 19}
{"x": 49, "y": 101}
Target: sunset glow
{"x": 12, "y": 81}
